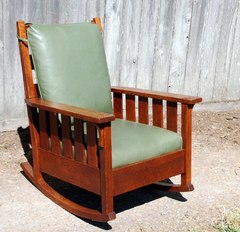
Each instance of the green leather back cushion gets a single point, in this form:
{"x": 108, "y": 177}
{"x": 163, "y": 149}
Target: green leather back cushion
{"x": 70, "y": 64}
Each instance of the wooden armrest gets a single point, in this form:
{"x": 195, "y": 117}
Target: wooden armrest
{"x": 158, "y": 95}
{"x": 76, "y": 112}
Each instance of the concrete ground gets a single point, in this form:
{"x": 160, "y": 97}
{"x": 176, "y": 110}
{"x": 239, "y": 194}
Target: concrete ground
{"x": 216, "y": 177}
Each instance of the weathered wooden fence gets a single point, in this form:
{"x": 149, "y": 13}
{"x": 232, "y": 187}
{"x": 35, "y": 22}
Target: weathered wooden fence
{"x": 187, "y": 46}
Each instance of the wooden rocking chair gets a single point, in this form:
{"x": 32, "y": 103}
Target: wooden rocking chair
{"x": 77, "y": 135}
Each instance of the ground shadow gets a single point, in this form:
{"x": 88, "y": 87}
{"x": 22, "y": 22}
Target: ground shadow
{"x": 24, "y": 136}
{"x": 80, "y": 196}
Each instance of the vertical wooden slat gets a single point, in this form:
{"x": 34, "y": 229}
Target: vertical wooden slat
{"x": 78, "y": 141}
{"x": 130, "y": 108}
{"x": 44, "y": 139}
{"x": 187, "y": 141}
{"x": 55, "y": 141}
{"x": 66, "y": 137}
{"x": 106, "y": 170}
{"x": 172, "y": 116}
{"x": 143, "y": 110}
{"x": 117, "y": 104}
{"x": 157, "y": 112}
{"x": 92, "y": 145}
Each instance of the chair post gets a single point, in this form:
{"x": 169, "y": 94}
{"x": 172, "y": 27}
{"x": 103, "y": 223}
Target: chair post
{"x": 106, "y": 177}
{"x": 187, "y": 142}
{"x": 97, "y": 21}
{"x": 29, "y": 87}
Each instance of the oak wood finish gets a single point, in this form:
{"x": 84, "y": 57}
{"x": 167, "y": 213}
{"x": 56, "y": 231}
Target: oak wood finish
{"x": 76, "y": 112}
{"x": 130, "y": 108}
{"x": 158, "y": 95}
{"x": 78, "y": 141}
{"x": 54, "y": 131}
{"x": 92, "y": 145}
{"x": 147, "y": 172}
{"x": 44, "y": 139}
{"x": 118, "y": 105}
{"x": 86, "y": 160}
{"x": 157, "y": 112}
{"x": 143, "y": 110}
{"x": 172, "y": 116}
{"x": 66, "y": 137}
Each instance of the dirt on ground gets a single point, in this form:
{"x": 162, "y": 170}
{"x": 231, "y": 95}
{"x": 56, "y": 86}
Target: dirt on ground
{"x": 216, "y": 177}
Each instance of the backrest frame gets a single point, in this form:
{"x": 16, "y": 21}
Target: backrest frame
{"x": 31, "y": 89}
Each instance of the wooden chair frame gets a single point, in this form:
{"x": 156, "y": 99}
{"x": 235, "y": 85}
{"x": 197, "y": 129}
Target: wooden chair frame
{"x": 96, "y": 173}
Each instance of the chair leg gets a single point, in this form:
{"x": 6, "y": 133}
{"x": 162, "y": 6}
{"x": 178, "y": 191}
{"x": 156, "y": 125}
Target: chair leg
{"x": 65, "y": 203}
{"x": 185, "y": 186}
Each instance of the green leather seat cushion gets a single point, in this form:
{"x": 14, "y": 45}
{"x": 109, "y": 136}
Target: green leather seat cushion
{"x": 70, "y": 65}
{"x": 133, "y": 142}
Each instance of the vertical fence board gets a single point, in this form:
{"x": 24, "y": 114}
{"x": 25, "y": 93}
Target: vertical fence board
{"x": 163, "y": 42}
{"x": 193, "y": 62}
{"x": 180, "y": 41}
{"x": 112, "y": 34}
{"x": 36, "y": 12}
{"x": 52, "y": 11}
{"x": 2, "y": 102}
{"x": 129, "y": 43}
{"x": 209, "y": 46}
{"x": 75, "y": 11}
{"x": 225, "y": 50}
{"x": 147, "y": 44}
{"x": 13, "y": 95}
{"x": 233, "y": 86}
